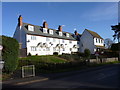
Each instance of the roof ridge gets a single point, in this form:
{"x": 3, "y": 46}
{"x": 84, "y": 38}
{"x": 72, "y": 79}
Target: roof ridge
{"x": 95, "y": 34}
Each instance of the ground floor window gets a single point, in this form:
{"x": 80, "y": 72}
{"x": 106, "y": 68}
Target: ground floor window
{"x": 33, "y": 48}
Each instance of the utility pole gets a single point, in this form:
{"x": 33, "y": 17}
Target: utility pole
{"x": 116, "y": 29}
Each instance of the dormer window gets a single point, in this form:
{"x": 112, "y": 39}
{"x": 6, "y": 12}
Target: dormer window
{"x": 60, "y": 33}
{"x": 44, "y": 30}
{"x": 51, "y": 32}
{"x": 30, "y": 28}
{"x": 67, "y": 34}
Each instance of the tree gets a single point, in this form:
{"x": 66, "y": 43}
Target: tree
{"x": 9, "y": 53}
{"x": 108, "y": 42}
{"x": 87, "y": 54}
{"x": 116, "y": 30}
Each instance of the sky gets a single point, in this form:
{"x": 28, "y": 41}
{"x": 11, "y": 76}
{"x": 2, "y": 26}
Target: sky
{"x": 95, "y": 16}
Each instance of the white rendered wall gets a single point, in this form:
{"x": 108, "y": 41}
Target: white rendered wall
{"x": 98, "y": 43}
{"x": 52, "y": 48}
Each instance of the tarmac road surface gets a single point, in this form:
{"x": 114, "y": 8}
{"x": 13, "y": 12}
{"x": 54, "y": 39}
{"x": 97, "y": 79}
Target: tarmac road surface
{"x": 105, "y": 77}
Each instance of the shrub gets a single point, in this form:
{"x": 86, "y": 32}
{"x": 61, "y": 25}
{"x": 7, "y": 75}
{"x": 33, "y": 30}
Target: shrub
{"x": 10, "y": 53}
{"x": 87, "y": 53}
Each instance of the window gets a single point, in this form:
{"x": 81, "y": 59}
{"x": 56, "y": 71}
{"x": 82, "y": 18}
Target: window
{"x": 60, "y": 33}
{"x": 33, "y": 37}
{"x": 33, "y": 48}
{"x": 44, "y": 30}
{"x": 70, "y": 41}
{"x": 63, "y": 41}
{"x": 51, "y": 32}
{"x": 47, "y": 49}
{"x": 54, "y": 40}
{"x": 30, "y": 28}
{"x": 67, "y": 34}
{"x": 47, "y": 39}
{"x": 101, "y": 41}
{"x": 96, "y": 40}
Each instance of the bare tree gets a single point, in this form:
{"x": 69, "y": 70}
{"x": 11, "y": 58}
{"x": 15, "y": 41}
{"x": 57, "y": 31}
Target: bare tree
{"x": 108, "y": 42}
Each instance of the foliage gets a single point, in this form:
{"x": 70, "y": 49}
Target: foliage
{"x": 115, "y": 47}
{"x": 10, "y": 53}
{"x": 48, "y": 63}
{"x": 87, "y": 53}
{"x": 71, "y": 57}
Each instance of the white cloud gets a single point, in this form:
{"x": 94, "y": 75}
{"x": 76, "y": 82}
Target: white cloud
{"x": 102, "y": 12}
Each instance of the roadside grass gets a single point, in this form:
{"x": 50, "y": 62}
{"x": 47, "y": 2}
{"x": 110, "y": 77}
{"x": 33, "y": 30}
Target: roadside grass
{"x": 42, "y": 67}
{"x": 46, "y": 59}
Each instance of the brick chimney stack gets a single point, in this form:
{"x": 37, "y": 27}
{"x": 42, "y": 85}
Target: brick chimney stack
{"x": 60, "y": 28}
{"x": 20, "y": 23}
{"x": 45, "y": 25}
{"x": 76, "y": 33}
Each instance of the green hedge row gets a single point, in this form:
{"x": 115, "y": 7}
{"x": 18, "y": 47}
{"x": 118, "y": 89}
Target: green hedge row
{"x": 9, "y": 53}
{"x": 39, "y": 66}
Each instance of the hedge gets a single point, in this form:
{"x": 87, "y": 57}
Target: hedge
{"x": 9, "y": 53}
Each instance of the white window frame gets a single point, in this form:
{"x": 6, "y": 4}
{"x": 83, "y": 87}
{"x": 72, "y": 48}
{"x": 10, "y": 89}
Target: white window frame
{"x": 51, "y": 32}
{"x": 33, "y": 48}
{"x": 47, "y": 39}
{"x": 33, "y": 37}
{"x": 60, "y": 33}
{"x": 30, "y": 28}
{"x": 45, "y": 30}
{"x": 67, "y": 34}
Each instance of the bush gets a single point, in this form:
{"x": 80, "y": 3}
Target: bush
{"x": 87, "y": 53}
{"x": 10, "y": 53}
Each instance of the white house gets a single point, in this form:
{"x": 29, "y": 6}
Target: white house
{"x": 41, "y": 40}
{"x": 91, "y": 40}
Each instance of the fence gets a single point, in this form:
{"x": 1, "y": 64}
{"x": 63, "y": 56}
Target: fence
{"x": 104, "y": 60}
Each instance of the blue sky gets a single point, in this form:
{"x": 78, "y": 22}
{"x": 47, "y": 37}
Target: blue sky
{"x": 95, "y": 16}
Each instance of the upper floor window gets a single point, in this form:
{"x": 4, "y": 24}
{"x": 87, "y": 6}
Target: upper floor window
{"x": 60, "y": 33}
{"x": 30, "y": 28}
{"x": 54, "y": 39}
{"x": 47, "y": 39}
{"x": 63, "y": 41}
{"x": 101, "y": 41}
{"x": 44, "y": 30}
{"x": 70, "y": 41}
{"x": 67, "y": 34}
{"x": 33, "y": 37}
{"x": 51, "y": 32}
{"x": 96, "y": 40}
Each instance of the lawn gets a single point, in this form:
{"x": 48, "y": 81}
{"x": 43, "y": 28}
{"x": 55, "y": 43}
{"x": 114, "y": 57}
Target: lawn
{"x": 46, "y": 59}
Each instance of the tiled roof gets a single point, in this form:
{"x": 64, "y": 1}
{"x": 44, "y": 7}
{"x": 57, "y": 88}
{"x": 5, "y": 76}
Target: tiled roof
{"x": 38, "y": 31}
{"x": 94, "y": 34}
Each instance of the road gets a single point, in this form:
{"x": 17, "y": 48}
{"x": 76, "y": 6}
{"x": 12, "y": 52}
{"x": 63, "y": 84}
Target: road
{"x": 106, "y": 77}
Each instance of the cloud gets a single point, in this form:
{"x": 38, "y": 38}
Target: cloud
{"x": 102, "y": 12}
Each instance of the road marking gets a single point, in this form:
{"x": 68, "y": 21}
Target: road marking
{"x": 33, "y": 81}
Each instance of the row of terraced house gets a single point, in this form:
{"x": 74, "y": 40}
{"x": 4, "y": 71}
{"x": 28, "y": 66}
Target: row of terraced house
{"x": 42, "y": 40}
